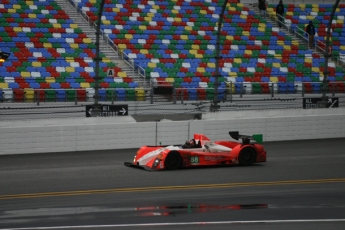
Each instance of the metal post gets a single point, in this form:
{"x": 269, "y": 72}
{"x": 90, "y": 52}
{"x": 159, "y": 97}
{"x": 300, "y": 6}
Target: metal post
{"x": 96, "y": 106}
{"x": 327, "y": 55}
{"x": 215, "y": 105}
{"x": 174, "y": 94}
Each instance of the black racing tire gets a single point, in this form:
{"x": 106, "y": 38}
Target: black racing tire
{"x": 173, "y": 161}
{"x": 247, "y": 156}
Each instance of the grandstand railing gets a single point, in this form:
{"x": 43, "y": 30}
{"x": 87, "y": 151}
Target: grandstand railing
{"x": 232, "y": 88}
{"x": 296, "y": 1}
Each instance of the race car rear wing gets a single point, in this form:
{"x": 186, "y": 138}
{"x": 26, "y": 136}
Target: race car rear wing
{"x": 245, "y": 138}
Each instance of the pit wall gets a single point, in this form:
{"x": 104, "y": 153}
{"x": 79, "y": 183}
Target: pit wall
{"x": 57, "y": 135}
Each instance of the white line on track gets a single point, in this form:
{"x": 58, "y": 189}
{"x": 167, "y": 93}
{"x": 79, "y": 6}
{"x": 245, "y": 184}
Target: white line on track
{"x": 180, "y": 223}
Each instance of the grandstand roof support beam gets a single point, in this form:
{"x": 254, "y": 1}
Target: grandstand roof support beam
{"x": 96, "y": 106}
{"x": 327, "y": 54}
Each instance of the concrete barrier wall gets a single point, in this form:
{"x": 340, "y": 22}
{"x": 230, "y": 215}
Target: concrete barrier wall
{"x": 66, "y": 135}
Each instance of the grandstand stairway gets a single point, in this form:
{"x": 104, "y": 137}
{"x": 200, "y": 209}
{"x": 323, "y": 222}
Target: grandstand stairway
{"x": 272, "y": 19}
{"x": 254, "y": 8}
{"x": 105, "y": 48}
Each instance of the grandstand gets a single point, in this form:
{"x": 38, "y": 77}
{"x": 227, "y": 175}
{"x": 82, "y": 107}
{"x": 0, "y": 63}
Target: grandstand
{"x": 168, "y": 42}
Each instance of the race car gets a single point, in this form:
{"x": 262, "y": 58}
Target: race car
{"x": 201, "y": 151}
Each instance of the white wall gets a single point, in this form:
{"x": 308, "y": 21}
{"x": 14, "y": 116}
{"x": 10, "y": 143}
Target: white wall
{"x": 62, "y": 135}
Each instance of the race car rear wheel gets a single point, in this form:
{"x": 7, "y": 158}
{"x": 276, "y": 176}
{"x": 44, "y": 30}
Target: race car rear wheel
{"x": 247, "y": 156}
{"x": 173, "y": 161}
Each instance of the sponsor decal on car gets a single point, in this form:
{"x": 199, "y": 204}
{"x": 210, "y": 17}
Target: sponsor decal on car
{"x": 213, "y": 158}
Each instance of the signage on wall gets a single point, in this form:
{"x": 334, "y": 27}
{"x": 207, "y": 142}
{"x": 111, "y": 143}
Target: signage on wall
{"x": 108, "y": 110}
{"x": 316, "y": 102}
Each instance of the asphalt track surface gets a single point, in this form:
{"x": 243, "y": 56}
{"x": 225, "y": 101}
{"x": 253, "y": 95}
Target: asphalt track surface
{"x": 301, "y": 186}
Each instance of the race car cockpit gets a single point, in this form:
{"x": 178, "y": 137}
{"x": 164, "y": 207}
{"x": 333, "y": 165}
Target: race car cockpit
{"x": 191, "y": 144}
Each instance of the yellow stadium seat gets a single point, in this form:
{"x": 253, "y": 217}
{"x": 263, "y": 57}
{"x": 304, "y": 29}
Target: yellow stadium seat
{"x": 148, "y": 19}
{"x": 238, "y": 60}
{"x": 25, "y": 74}
{"x": 169, "y": 79}
{"x": 47, "y": 45}
{"x": 276, "y": 65}
{"x": 70, "y": 69}
{"x": 106, "y": 59}
{"x": 74, "y": 26}
{"x": 274, "y": 79}
{"x": 152, "y": 65}
{"x": 116, "y": 10}
{"x": 29, "y": 94}
{"x": 229, "y": 37}
{"x": 84, "y": 85}
{"x": 188, "y": 28}
{"x": 246, "y": 33}
{"x": 32, "y": 15}
{"x": 184, "y": 37}
{"x": 122, "y": 47}
{"x": 70, "y": 59}
{"x": 201, "y": 69}
{"x": 199, "y": 55}
{"x": 36, "y": 64}
{"x": 193, "y": 51}
{"x": 57, "y": 25}
{"x": 122, "y": 74}
{"x": 129, "y": 36}
{"x": 16, "y": 6}
{"x": 140, "y": 94}
{"x": 250, "y": 52}
{"x": 17, "y": 29}
{"x": 308, "y": 60}
{"x": 211, "y": 64}
{"x": 144, "y": 51}
{"x": 142, "y": 27}
{"x": 74, "y": 45}
{"x": 50, "y": 79}
{"x": 87, "y": 40}
{"x": 3, "y": 85}
{"x": 195, "y": 47}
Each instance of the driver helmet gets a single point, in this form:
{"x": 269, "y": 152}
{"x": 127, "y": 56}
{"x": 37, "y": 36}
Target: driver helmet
{"x": 190, "y": 142}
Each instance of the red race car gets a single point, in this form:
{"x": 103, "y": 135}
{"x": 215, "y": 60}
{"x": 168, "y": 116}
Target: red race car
{"x": 201, "y": 151}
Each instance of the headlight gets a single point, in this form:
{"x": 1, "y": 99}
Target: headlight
{"x": 156, "y": 162}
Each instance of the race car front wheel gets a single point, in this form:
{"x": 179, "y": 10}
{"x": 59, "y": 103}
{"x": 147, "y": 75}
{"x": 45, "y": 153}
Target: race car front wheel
{"x": 247, "y": 156}
{"x": 173, "y": 161}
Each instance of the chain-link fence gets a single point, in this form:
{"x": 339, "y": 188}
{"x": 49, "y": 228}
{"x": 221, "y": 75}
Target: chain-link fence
{"x": 177, "y": 104}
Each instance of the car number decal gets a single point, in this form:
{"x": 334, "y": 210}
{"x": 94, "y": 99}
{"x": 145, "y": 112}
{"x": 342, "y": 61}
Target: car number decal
{"x": 194, "y": 160}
